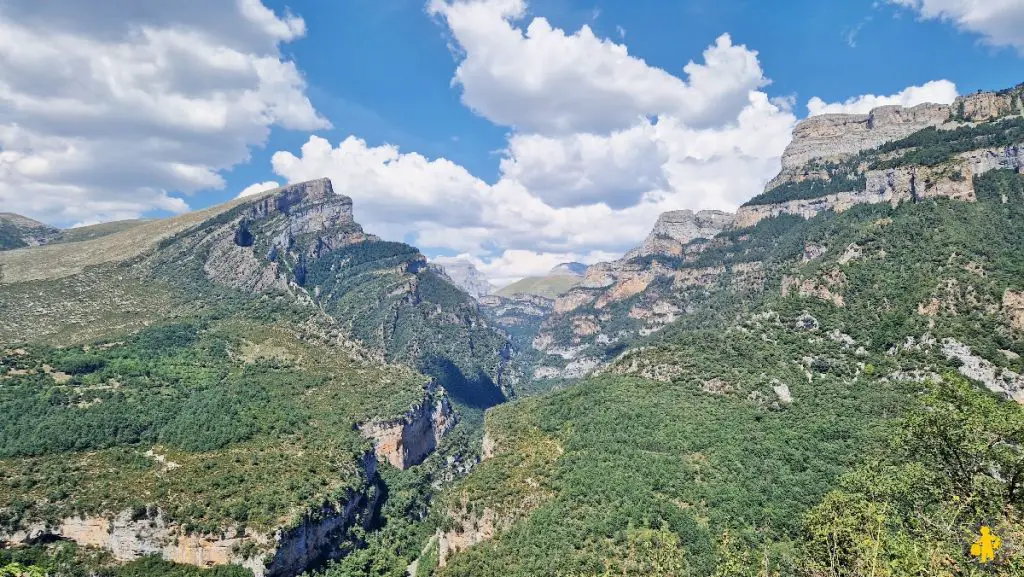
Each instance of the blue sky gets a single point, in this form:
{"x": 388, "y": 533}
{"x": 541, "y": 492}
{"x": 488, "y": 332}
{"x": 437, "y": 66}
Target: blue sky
{"x": 382, "y": 69}
{"x": 474, "y": 127}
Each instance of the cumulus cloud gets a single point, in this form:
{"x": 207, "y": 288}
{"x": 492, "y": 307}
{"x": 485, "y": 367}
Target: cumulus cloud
{"x": 541, "y": 79}
{"x": 257, "y": 188}
{"x": 936, "y": 91}
{"x": 999, "y": 22}
{"x": 107, "y": 108}
{"x": 513, "y": 265}
{"x": 602, "y": 143}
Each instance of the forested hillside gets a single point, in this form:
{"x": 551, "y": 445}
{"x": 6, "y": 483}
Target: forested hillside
{"x": 826, "y": 392}
{"x": 218, "y": 391}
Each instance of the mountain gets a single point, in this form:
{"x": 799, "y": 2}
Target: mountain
{"x": 807, "y": 392}
{"x": 675, "y": 229}
{"x": 219, "y": 387}
{"x": 559, "y": 279}
{"x": 17, "y": 231}
{"x": 466, "y": 276}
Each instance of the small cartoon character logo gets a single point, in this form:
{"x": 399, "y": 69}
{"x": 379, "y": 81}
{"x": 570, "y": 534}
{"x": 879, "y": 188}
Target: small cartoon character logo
{"x": 984, "y": 549}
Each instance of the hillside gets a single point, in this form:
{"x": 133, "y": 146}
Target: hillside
{"x": 860, "y": 319}
{"x": 270, "y": 340}
{"x": 17, "y": 231}
{"x": 558, "y": 280}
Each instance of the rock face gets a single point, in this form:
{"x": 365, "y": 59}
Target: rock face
{"x": 267, "y": 242}
{"x": 128, "y": 536}
{"x": 466, "y": 276}
{"x": 953, "y": 179}
{"x": 676, "y": 228}
{"x": 517, "y": 311}
{"x": 998, "y": 380}
{"x": 408, "y": 440}
{"x": 832, "y": 136}
{"x": 984, "y": 106}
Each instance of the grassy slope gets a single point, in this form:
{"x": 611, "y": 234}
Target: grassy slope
{"x": 546, "y": 286}
{"x": 82, "y": 233}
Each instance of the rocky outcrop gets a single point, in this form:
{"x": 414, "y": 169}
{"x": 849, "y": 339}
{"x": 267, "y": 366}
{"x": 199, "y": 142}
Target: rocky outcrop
{"x": 1013, "y": 308}
{"x": 828, "y": 288}
{"x": 466, "y": 276}
{"x": 996, "y": 379}
{"x": 517, "y": 311}
{"x": 983, "y": 106}
{"x": 130, "y": 535}
{"x": 408, "y": 440}
{"x": 953, "y": 179}
{"x": 469, "y": 530}
{"x": 265, "y": 244}
{"x": 834, "y": 136}
{"x": 676, "y": 228}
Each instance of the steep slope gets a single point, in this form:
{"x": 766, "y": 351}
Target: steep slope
{"x": 218, "y": 388}
{"x": 17, "y": 231}
{"x": 299, "y": 241}
{"x": 835, "y": 163}
{"x": 587, "y": 327}
{"x": 559, "y": 279}
{"x": 795, "y": 344}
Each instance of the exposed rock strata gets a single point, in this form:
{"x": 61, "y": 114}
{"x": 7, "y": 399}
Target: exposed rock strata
{"x": 676, "y": 228}
{"x": 834, "y": 136}
{"x": 907, "y": 183}
{"x": 408, "y": 440}
{"x": 466, "y": 276}
{"x": 128, "y": 536}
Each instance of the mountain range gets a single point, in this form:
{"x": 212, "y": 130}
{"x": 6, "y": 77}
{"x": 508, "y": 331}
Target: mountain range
{"x": 827, "y": 382}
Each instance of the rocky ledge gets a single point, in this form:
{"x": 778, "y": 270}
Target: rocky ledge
{"x": 676, "y": 228}
{"x": 409, "y": 439}
{"x": 129, "y": 535}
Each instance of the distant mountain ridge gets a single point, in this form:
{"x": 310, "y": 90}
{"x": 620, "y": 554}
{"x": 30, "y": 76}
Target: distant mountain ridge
{"x": 466, "y": 276}
{"x": 559, "y": 279}
{"x": 17, "y": 231}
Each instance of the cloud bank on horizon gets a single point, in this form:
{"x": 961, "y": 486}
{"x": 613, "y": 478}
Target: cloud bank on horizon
{"x": 599, "y": 141}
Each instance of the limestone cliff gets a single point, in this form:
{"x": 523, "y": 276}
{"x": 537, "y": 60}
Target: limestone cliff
{"x": 466, "y": 276}
{"x": 676, "y": 228}
{"x": 128, "y": 535}
{"x": 409, "y": 439}
{"x": 834, "y": 136}
{"x": 822, "y": 143}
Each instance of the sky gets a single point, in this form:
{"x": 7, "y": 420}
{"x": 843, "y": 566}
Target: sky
{"x": 516, "y": 134}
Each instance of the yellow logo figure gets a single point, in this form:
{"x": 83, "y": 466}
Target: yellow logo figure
{"x": 986, "y": 546}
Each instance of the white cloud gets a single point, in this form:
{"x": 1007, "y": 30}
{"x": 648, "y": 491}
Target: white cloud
{"x": 257, "y": 188}
{"x": 541, "y": 79}
{"x": 586, "y": 168}
{"x": 513, "y": 265}
{"x": 602, "y": 144}
{"x": 102, "y": 115}
{"x": 444, "y": 207}
{"x": 999, "y": 22}
{"x": 936, "y": 91}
